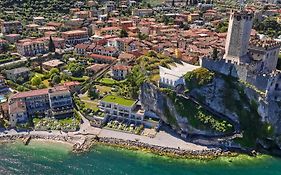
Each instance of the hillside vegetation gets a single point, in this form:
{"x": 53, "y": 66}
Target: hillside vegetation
{"x": 24, "y": 10}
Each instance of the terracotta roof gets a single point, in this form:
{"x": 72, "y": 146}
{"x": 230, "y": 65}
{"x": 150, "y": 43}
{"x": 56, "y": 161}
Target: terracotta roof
{"x": 110, "y": 49}
{"x": 72, "y": 32}
{"x": 71, "y": 83}
{"x": 82, "y": 46}
{"x": 55, "y": 24}
{"x": 17, "y": 107}
{"x": 96, "y": 67}
{"x": 3, "y": 41}
{"x": 110, "y": 28}
{"x": 102, "y": 57}
{"x": 38, "y": 92}
{"x": 126, "y": 56}
{"x": 121, "y": 67}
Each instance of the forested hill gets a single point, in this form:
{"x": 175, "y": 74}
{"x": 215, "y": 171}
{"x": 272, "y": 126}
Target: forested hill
{"x": 25, "y": 9}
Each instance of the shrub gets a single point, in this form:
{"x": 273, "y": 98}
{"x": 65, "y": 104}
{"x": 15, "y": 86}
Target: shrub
{"x": 198, "y": 77}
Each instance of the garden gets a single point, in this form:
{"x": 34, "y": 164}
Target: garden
{"x": 68, "y": 124}
{"x": 125, "y": 126}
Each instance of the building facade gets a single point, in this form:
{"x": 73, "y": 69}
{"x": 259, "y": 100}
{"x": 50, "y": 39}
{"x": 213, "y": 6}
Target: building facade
{"x": 15, "y": 74}
{"x": 112, "y": 108}
{"x": 9, "y": 27}
{"x": 120, "y": 72}
{"x": 54, "y": 102}
{"x": 31, "y": 47}
{"x": 75, "y": 37}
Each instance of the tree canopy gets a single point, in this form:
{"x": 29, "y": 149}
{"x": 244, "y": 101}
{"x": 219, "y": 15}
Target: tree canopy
{"x": 36, "y": 80}
{"x": 123, "y": 33}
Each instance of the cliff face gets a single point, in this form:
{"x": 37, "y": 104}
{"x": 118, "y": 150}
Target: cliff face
{"x": 159, "y": 103}
{"x": 271, "y": 112}
{"x": 258, "y": 117}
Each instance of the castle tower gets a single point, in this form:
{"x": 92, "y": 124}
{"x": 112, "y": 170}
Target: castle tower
{"x": 238, "y": 36}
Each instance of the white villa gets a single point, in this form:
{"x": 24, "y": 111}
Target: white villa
{"x": 115, "y": 106}
{"x": 174, "y": 76}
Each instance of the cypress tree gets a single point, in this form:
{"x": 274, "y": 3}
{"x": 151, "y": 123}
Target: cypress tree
{"x": 173, "y": 3}
{"x": 52, "y": 47}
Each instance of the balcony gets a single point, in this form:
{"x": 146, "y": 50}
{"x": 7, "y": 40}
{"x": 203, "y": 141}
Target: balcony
{"x": 61, "y": 112}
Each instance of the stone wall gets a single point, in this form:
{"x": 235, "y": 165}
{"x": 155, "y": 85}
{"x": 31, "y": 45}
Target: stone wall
{"x": 242, "y": 71}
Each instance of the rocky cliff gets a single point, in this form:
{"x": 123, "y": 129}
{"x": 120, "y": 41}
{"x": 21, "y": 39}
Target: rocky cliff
{"x": 156, "y": 101}
{"x": 259, "y": 118}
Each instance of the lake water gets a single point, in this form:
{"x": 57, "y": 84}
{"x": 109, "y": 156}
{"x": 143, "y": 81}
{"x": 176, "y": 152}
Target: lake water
{"x": 40, "y": 158}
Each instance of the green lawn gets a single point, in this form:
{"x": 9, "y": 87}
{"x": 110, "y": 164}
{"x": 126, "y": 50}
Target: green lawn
{"x": 103, "y": 89}
{"x": 118, "y": 100}
{"x": 108, "y": 81}
{"x": 92, "y": 105}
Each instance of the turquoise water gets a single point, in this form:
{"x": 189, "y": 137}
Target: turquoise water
{"x": 55, "y": 159}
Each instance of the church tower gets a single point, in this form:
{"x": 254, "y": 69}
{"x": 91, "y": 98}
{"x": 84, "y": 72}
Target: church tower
{"x": 238, "y": 36}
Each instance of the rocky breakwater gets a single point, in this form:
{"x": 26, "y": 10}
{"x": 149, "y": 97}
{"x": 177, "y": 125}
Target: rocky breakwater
{"x": 85, "y": 145}
{"x": 25, "y": 138}
{"x": 166, "y": 151}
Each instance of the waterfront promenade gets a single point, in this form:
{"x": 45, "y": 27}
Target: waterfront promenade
{"x": 162, "y": 138}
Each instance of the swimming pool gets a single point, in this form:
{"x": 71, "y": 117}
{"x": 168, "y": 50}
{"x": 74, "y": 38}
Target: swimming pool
{"x": 2, "y": 99}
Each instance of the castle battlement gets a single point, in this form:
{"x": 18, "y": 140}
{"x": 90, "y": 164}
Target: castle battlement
{"x": 264, "y": 44}
{"x": 239, "y": 15}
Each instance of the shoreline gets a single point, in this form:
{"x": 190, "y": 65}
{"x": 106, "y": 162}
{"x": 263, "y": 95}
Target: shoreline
{"x": 84, "y": 143}
{"x": 210, "y": 154}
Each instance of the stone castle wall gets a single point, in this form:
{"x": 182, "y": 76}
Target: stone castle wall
{"x": 238, "y": 71}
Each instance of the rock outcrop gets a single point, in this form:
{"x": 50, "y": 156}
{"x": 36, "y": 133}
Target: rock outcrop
{"x": 155, "y": 101}
{"x": 215, "y": 96}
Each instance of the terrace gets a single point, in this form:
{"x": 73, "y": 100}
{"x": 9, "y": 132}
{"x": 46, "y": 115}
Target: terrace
{"x": 118, "y": 100}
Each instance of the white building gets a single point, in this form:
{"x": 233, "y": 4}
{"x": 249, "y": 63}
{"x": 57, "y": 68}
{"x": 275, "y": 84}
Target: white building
{"x": 174, "y": 76}
{"x": 114, "y": 106}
